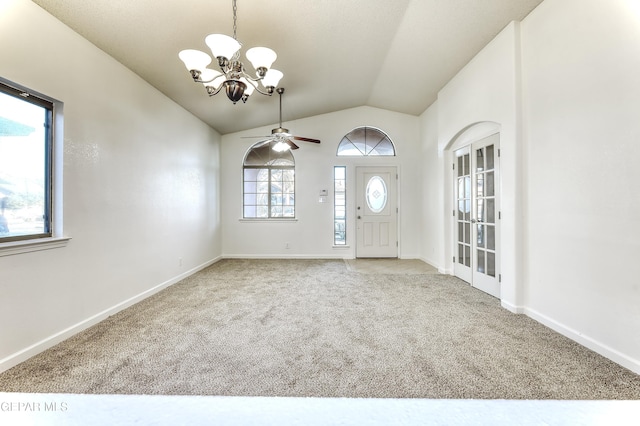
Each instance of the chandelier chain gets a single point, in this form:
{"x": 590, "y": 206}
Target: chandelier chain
{"x": 235, "y": 20}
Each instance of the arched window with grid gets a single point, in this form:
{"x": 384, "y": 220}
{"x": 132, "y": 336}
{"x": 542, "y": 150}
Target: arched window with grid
{"x": 366, "y": 141}
{"x": 269, "y": 182}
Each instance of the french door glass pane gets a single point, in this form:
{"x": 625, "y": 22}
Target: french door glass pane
{"x": 491, "y": 210}
{"x": 490, "y": 162}
{"x": 480, "y": 264}
{"x": 481, "y": 236}
{"x": 491, "y": 264}
{"x": 489, "y": 184}
{"x": 461, "y": 210}
{"x": 491, "y": 237}
{"x": 480, "y": 211}
{"x": 479, "y": 160}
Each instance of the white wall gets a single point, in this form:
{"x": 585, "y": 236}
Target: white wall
{"x": 563, "y": 87}
{"x": 311, "y": 235}
{"x": 141, "y": 188}
{"x": 481, "y": 96}
{"x": 432, "y": 247}
{"x": 581, "y": 62}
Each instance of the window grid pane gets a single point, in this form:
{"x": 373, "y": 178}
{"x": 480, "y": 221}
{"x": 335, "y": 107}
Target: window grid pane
{"x": 366, "y": 141}
{"x": 269, "y": 184}
{"x": 339, "y": 205}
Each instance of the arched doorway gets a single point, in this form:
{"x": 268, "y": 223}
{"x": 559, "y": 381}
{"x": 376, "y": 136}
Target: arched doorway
{"x": 475, "y": 155}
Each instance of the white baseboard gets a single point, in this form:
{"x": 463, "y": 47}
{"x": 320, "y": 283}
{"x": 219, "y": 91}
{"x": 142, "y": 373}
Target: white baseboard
{"x": 594, "y": 345}
{"x": 283, "y": 256}
{"x": 24, "y": 354}
{"x": 512, "y": 308}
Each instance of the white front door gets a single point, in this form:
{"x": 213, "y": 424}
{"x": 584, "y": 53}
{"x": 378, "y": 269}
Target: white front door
{"x": 476, "y": 189}
{"x": 376, "y": 212}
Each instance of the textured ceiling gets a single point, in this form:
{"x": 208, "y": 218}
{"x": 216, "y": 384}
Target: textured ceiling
{"x": 335, "y": 54}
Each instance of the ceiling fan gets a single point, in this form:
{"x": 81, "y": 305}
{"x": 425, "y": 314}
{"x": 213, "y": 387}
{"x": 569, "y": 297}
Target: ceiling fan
{"x": 280, "y": 135}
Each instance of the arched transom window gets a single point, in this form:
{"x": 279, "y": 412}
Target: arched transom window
{"x": 364, "y": 141}
{"x": 269, "y": 182}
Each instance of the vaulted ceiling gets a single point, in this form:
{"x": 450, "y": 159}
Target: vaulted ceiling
{"x": 335, "y": 54}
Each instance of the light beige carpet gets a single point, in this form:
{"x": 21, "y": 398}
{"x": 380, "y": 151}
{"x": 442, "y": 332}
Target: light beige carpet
{"x": 390, "y": 266}
{"x": 315, "y": 328}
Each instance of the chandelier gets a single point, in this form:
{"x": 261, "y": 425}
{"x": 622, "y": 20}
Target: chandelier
{"x": 238, "y": 85}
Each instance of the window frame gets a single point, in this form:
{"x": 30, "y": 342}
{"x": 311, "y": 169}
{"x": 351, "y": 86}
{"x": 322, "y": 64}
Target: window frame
{"x": 355, "y": 151}
{"x": 336, "y": 219}
{"x": 270, "y": 165}
{"x": 53, "y": 235}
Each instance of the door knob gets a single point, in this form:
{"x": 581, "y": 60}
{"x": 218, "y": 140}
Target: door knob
{"x": 358, "y": 217}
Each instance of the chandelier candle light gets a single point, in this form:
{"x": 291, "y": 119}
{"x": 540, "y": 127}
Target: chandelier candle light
{"x": 233, "y": 78}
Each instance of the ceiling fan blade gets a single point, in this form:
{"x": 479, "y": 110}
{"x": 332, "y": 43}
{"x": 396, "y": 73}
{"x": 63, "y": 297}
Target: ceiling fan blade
{"x": 254, "y": 137}
{"x": 300, "y": 138}
{"x": 291, "y": 144}
{"x": 262, "y": 143}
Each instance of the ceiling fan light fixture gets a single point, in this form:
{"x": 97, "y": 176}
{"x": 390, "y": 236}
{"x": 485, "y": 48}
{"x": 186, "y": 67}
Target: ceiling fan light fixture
{"x": 281, "y": 146}
{"x": 232, "y": 76}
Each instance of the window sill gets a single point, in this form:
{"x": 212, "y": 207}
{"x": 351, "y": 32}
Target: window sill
{"x": 285, "y": 220}
{"x": 340, "y": 246}
{"x": 27, "y": 246}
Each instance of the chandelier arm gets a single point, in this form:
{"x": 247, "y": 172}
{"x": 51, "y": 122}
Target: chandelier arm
{"x": 211, "y": 91}
{"x": 248, "y": 77}
{"x": 267, "y": 93}
{"x": 256, "y": 86}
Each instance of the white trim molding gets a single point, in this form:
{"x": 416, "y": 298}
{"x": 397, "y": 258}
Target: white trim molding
{"x": 27, "y": 246}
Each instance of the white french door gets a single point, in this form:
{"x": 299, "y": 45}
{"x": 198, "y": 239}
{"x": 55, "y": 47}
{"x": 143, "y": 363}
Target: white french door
{"x": 476, "y": 216}
{"x": 376, "y": 214}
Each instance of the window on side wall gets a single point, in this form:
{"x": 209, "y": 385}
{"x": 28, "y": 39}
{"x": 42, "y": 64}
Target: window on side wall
{"x": 269, "y": 183}
{"x": 26, "y": 162}
{"x": 340, "y": 205}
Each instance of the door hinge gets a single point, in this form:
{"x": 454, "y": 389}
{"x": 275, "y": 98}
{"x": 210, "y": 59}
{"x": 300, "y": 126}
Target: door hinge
{"x": 454, "y": 259}
{"x": 454, "y": 166}
{"x": 499, "y": 278}
{"x": 454, "y": 213}
{"x": 498, "y": 152}
{"x": 499, "y": 215}
{"x": 397, "y": 244}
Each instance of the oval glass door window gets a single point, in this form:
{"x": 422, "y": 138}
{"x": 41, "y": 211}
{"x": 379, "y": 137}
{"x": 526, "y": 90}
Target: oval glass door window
{"x": 376, "y": 194}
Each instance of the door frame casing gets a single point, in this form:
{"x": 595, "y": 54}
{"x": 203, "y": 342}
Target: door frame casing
{"x": 396, "y": 188}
